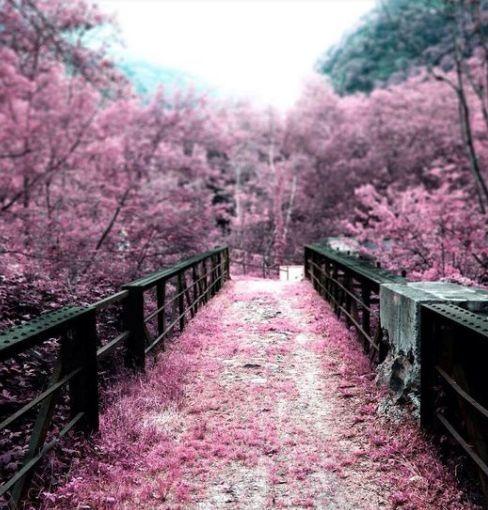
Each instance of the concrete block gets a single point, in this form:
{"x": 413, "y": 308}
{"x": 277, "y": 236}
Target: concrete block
{"x": 343, "y": 244}
{"x": 470, "y": 298}
{"x": 400, "y": 317}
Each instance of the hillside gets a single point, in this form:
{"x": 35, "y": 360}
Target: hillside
{"x": 147, "y": 77}
{"x": 396, "y": 36}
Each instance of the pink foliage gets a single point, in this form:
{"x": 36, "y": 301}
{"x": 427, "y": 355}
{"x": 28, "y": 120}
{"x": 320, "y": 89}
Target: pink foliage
{"x": 433, "y": 233}
{"x": 98, "y": 186}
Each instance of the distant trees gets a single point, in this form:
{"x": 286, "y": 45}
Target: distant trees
{"x": 292, "y": 179}
{"x": 448, "y": 37}
{"x": 395, "y": 37}
{"x": 436, "y": 120}
{"x": 400, "y": 37}
{"x": 468, "y": 80}
{"x": 97, "y": 185}
{"x": 432, "y": 232}
{"x": 264, "y": 191}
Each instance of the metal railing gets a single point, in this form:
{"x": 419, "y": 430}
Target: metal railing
{"x": 454, "y": 380}
{"x": 254, "y": 263}
{"x": 352, "y": 286}
{"x": 152, "y": 309}
{"x": 453, "y": 343}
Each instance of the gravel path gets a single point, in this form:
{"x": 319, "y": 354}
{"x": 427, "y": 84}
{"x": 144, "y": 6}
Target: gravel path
{"x": 276, "y": 351}
{"x": 264, "y": 402}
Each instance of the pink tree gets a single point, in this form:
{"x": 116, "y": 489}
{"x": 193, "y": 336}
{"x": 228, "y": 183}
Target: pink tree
{"x": 95, "y": 185}
{"x": 433, "y": 234}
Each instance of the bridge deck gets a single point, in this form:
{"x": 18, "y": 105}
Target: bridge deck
{"x": 264, "y": 402}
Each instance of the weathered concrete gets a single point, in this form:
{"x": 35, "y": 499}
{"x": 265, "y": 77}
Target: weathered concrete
{"x": 475, "y": 300}
{"x": 400, "y": 317}
{"x": 343, "y": 244}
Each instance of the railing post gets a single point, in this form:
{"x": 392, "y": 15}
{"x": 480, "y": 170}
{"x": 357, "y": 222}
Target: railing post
{"x": 83, "y": 388}
{"x": 354, "y": 304}
{"x": 218, "y": 271}
{"x": 181, "y": 301}
{"x": 335, "y": 289}
{"x": 205, "y": 280}
{"x": 227, "y": 263}
{"x": 305, "y": 263}
{"x": 194, "y": 275}
{"x": 189, "y": 302}
{"x": 323, "y": 280}
{"x": 161, "y": 300}
{"x": 201, "y": 286}
{"x": 347, "y": 282}
{"x": 325, "y": 276}
{"x": 222, "y": 268}
{"x": 328, "y": 284}
{"x": 365, "y": 315}
{"x": 213, "y": 276}
{"x": 428, "y": 339}
{"x": 135, "y": 357}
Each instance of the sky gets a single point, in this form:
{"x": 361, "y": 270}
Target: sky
{"x": 257, "y": 49}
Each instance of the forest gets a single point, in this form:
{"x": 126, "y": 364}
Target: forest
{"x": 267, "y": 396}
{"x": 99, "y": 185}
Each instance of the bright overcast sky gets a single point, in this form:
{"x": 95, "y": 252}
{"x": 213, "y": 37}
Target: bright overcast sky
{"x": 262, "y": 49}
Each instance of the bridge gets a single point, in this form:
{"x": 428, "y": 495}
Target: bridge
{"x": 201, "y": 390}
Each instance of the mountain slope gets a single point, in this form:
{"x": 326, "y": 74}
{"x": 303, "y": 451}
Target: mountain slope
{"x": 393, "y": 38}
{"x": 147, "y": 77}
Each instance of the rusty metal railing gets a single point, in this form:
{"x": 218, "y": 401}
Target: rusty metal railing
{"x": 151, "y": 310}
{"x": 352, "y": 286}
{"x": 454, "y": 380}
{"x": 453, "y": 340}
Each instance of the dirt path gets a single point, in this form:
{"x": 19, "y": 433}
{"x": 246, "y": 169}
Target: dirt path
{"x": 256, "y": 407}
{"x": 277, "y": 356}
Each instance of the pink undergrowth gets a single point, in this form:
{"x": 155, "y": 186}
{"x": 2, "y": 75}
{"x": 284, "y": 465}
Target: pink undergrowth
{"x": 225, "y": 401}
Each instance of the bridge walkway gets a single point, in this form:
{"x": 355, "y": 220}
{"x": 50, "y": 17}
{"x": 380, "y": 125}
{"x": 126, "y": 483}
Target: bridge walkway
{"x": 265, "y": 401}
